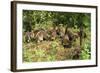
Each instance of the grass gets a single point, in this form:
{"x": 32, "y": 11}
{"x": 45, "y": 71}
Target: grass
{"x": 46, "y": 51}
{"x": 54, "y": 50}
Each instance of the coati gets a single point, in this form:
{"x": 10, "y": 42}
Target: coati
{"x": 65, "y": 41}
{"x": 28, "y": 36}
{"x": 69, "y": 37}
{"x": 36, "y": 35}
{"x": 53, "y": 34}
{"x": 60, "y": 32}
{"x": 41, "y": 35}
{"x": 56, "y": 32}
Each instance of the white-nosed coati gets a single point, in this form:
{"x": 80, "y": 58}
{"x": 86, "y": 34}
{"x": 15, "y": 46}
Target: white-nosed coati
{"x": 28, "y": 36}
{"x": 68, "y": 38}
{"x": 36, "y": 35}
{"x": 41, "y": 35}
{"x": 57, "y": 32}
{"x": 53, "y": 34}
{"x": 60, "y": 32}
{"x": 65, "y": 41}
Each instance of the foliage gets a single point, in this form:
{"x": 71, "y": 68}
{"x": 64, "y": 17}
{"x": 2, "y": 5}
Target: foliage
{"x": 44, "y": 19}
{"x": 53, "y": 50}
{"x": 86, "y": 50}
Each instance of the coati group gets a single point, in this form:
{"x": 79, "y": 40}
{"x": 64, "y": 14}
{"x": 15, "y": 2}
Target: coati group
{"x": 66, "y": 36}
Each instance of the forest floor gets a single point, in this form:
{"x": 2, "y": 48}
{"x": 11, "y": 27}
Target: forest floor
{"x": 47, "y": 51}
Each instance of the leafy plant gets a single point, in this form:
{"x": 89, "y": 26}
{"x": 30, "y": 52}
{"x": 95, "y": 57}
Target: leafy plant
{"x": 86, "y": 51}
{"x": 39, "y": 52}
{"x": 34, "y": 21}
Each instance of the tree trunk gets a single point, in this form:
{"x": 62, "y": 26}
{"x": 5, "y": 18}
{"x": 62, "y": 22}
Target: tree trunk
{"x": 81, "y": 34}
